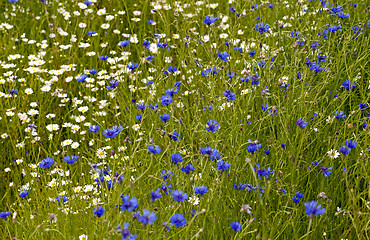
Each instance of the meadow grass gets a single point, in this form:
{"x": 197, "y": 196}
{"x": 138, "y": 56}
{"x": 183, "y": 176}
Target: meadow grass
{"x": 286, "y": 82}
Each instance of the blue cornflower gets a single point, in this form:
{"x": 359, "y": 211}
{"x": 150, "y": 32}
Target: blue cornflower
{"x": 344, "y": 150}
{"x": 223, "y": 56}
{"x": 13, "y": 91}
{"x": 166, "y": 189}
{"x": 92, "y": 71}
{"x": 313, "y": 209}
{"x": 61, "y": 199}
{"x": 301, "y": 123}
{"x": 263, "y": 172}
{"x": 165, "y": 117}
{"x": 126, "y": 235}
{"x": 209, "y": 20}
{"x": 283, "y": 191}
{"x": 174, "y": 136}
{"x": 90, "y": 33}
{"x": 178, "y": 220}
{"x": 151, "y": 22}
{"x": 141, "y": 105}
{"x": 252, "y": 53}
{"x": 128, "y": 204}
{"x": 146, "y": 43}
{"x": 342, "y": 15}
{"x": 94, "y": 128}
{"x": 13, "y": 1}
{"x": 46, "y": 163}
{"x": 201, "y": 190}
{"x": 23, "y": 194}
{"x": 347, "y": 85}
{"x": 334, "y": 10}
{"x": 236, "y": 226}
{"x": 132, "y": 65}
{"x": 316, "y": 163}
{"x": 223, "y": 166}
{"x": 250, "y": 187}
{"x": 215, "y": 156}
{"x": 326, "y": 171}
{"x": 253, "y": 146}
{"x": 230, "y": 95}
{"x": 171, "y": 91}
{"x": 155, "y": 195}
{"x": 210, "y": 72}
{"x": 188, "y": 168}
{"x": 166, "y": 100}
{"x": 150, "y": 58}
{"x": 357, "y": 31}
{"x": 99, "y": 211}
{"x": 241, "y": 186}
{"x": 87, "y": 2}
{"x": 177, "y": 84}
{"x": 3, "y": 215}
{"x": 105, "y": 57}
{"x": 321, "y": 58}
{"x": 262, "y": 27}
{"x": 193, "y": 213}
{"x": 138, "y": 117}
{"x": 179, "y": 196}
{"x": 297, "y": 197}
{"x": 124, "y": 43}
{"x": 176, "y": 158}
{"x": 315, "y": 45}
{"x": 147, "y": 217}
{"x": 112, "y": 132}
{"x": 82, "y": 78}
{"x": 351, "y": 143}
{"x": 363, "y": 106}
{"x": 154, "y": 149}
{"x": 70, "y": 159}
{"x": 166, "y": 174}
{"x": 113, "y": 84}
{"x": 212, "y": 126}
{"x": 207, "y": 150}
{"x": 267, "y": 152}
{"x": 339, "y": 115}
{"x": 170, "y": 69}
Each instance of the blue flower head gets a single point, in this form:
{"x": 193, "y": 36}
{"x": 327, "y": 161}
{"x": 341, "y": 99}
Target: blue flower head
{"x": 212, "y": 126}
{"x": 262, "y": 27}
{"x": 313, "y": 208}
{"x": 209, "y": 20}
{"x": 154, "y": 149}
{"x": 223, "y": 166}
{"x": 187, "y": 169}
{"x": 70, "y": 159}
{"x": 128, "y": 204}
{"x": 263, "y": 172}
{"x": 99, "y": 211}
{"x": 112, "y": 132}
{"x": 46, "y": 163}
{"x": 155, "y": 195}
{"x": 179, "y": 196}
{"x": 147, "y": 217}
{"x": 201, "y": 190}
{"x": 236, "y": 226}
{"x": 178, "y": 220}
{"x": 94, "y": 128}
{"x": 301, "y": 123}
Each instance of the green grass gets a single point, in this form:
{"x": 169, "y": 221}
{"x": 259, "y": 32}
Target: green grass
{"x": 273, "y": 213}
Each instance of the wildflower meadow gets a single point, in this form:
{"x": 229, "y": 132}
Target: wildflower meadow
{"x": 163, "y": 119}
